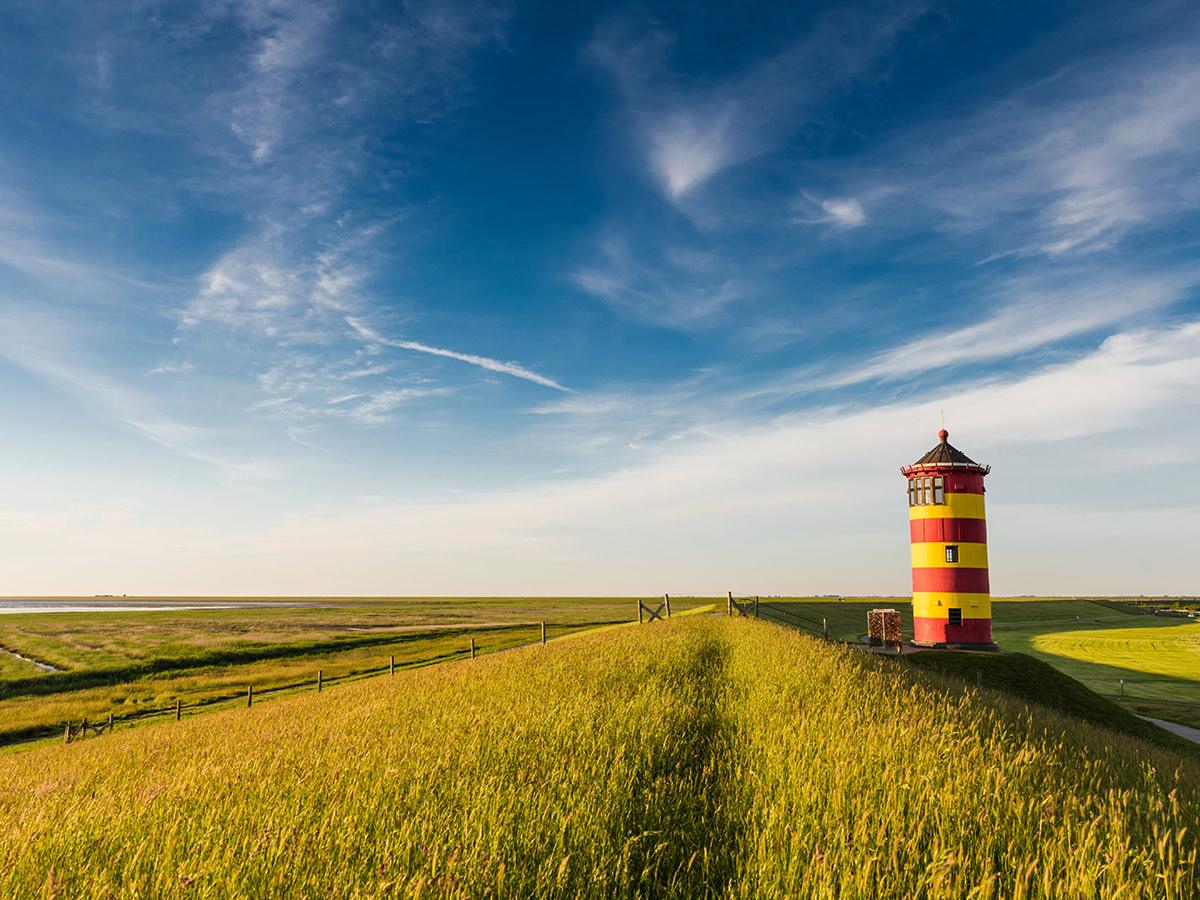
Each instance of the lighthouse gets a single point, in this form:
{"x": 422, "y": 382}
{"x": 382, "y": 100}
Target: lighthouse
{"x": 952, "y": 602}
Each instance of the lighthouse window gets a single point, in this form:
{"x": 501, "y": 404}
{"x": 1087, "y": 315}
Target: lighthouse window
{"x": 951, "y": 553}
{"x": 927, "y": 491}
{"x": 956, "y": 617}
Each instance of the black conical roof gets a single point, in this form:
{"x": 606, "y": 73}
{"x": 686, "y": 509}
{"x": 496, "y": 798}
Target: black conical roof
{"x": 944, "y": 454}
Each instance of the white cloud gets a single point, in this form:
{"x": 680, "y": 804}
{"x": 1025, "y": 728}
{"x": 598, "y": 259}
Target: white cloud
{"x": 686, "y": 150}
{"x": 846, "y": 212}
{"x": 172, "y": 368}
{"x": 821, "y": 492}
{"x": 809, "y": 503}
{"x": 492, "y": 365}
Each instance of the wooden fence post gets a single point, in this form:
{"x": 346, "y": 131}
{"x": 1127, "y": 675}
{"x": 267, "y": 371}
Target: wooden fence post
{"x": 391, "y": 665}
{"x": 756, "y": 607}
{"x": 472, "y": 648}
{"x": 83, "y": 725}
{"x": 825, "y": 628}
{"x": 729, "y": 604}
{"x": 543, "y": 632}
{"x": 178, "y": 704}
{"x": 667, "y": 601}
{"x": 639, "y": 612}
{"x": 67, "y": 733}
{"x": 110, "y": 723}
{"x": 250, "y": 695}
{"x": 320, "y": 678}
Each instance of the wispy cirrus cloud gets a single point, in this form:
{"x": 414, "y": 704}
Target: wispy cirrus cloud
{"x": 686, "y": 130}
{"x": 1062, "y": 165}
{"x": 46, "y": 347}
{"x": 1034, "y": 313}
{"x": 290, "y": 284}
{"x": 314, "y": 88}
{"x": 516, "y": 370}
{"x": 677, "y": 284}
{"x": 846, "y": 212}
{"x": 690, "y": 132}
{"x": 1039, "y": 319}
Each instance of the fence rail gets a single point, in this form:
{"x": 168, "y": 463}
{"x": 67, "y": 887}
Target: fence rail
{"x": 78, "y": 731}
{"x": 784, "y": 616}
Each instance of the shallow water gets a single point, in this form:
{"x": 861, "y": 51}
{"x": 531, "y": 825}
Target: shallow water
{"x": 45, "y": 667}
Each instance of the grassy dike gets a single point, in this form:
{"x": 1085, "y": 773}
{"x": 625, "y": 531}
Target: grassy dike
{"x": 700, "y": 758}
{"x": 1029, "y": 679}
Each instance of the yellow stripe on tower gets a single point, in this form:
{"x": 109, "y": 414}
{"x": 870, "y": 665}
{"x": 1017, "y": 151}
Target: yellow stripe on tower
{"x": 957, "y": 506}
{"x": 934, "y": 605}
{"x": 926, "y": 555}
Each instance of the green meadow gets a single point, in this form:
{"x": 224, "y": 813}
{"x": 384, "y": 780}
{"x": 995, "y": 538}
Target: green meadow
{"x": 128, "y": 664}
{"x": 705, "y": 757}
{"x": 1158, "y": 659}
{"x": 1097, "y": 641}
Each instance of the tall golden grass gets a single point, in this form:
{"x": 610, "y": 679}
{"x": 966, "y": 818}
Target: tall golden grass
{"x": 702, "y": 758}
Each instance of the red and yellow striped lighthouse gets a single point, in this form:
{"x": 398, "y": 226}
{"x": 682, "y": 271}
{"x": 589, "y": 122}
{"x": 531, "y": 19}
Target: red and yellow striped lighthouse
{"x": 952, "y": 601}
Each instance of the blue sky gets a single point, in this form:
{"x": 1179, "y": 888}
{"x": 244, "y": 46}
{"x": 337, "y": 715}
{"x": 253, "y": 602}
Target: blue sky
{"x": 568, "y": 298}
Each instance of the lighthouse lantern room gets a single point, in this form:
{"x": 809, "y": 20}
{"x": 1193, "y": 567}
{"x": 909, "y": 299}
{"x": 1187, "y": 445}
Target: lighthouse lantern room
{"x": 952, "y": 604}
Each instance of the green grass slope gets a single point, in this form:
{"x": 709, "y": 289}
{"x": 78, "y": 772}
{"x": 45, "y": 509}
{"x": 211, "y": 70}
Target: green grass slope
{"x": 705, "y": 757}
{"x": 1034, "y": 681}
{"x": 1157, "y": 658}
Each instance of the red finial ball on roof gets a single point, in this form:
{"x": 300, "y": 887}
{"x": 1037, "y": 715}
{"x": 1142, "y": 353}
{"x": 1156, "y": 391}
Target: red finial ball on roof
{"x": 943, "y": 434}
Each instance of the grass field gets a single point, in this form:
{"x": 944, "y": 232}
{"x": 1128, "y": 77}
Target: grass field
{"x": 126, "y": 663}
{"x": 1159, "y": 661}
{"x": 702, "y": 758}
{"x": 72, "y": 641}
{"x": 130, "y": 662}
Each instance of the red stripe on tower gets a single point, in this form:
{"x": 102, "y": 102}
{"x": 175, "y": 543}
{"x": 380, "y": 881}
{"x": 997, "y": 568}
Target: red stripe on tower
{"x": 951, "y": 580}
{"x": 955, "y": 531}
{"x": 970, "y": 631}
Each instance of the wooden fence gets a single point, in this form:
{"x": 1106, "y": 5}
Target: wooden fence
{"x": 73, "y": 732}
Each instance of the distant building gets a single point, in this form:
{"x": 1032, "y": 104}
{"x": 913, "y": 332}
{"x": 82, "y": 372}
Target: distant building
{"x": 952, "y": 602}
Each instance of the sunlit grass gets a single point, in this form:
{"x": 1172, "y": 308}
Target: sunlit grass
{"x": 705, "y": 757}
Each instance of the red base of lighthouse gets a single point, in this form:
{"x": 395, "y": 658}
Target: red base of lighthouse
{"x": 972, "y": 634}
